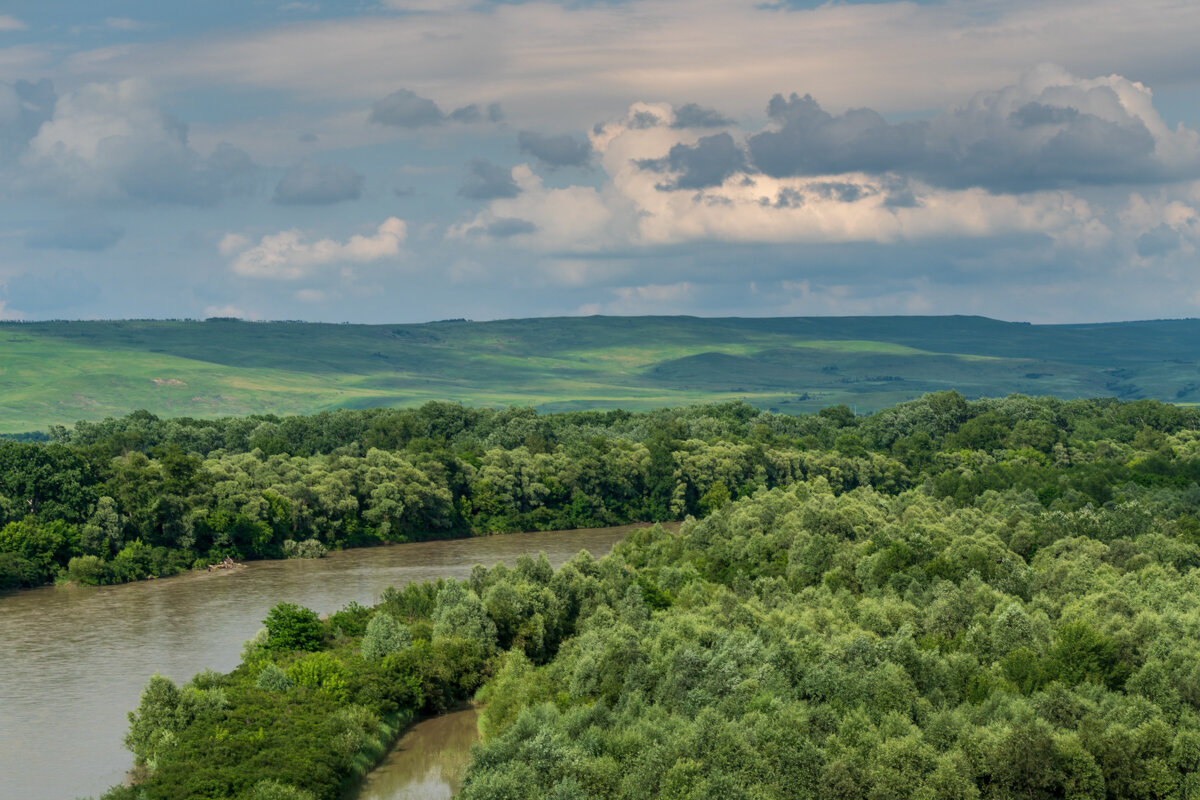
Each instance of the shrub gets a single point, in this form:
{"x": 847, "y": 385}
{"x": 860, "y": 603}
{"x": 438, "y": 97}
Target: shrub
{"x": 291, "y": 627}
{"x": 274, "y": 679}
{"x": 88, "y": 571}
{"x": 321, "y": 671}
{"x": 308, "y": 548}
{"x": 384, "y": 635}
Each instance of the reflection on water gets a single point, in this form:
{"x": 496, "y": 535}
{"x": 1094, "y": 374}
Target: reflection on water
{"x": 427, "y": 763}
{"x": 73, "y": 661}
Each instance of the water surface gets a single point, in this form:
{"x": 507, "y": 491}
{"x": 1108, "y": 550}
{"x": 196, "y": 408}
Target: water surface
{"x": 73, "y": 660}
{"x": 427, "y": 763}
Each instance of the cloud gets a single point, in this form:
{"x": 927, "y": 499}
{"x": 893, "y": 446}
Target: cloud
{"x": 288, "y": 255}
{"x": 488, "y": 181}
{"x": 709, "y": 162}
{"x": 691, "y": 115}
{"x": 1158, "y": 241}
{"x": 227, "y": 311}
{"x": 10, "y": 23}
{"x": 509, "y": 226}
{"x": 109, "y": 141}
{"x": 86, "y": 233}
{"x": 404, "y": 108}
{"x": 556, "y": 150}
{"x": 1051, "y": 130}
{"x": 703, "y": 190}
{"x": 308, "y": 183}
{"x": 24, "y": 106}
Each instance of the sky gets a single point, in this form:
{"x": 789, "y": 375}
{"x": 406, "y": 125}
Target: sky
{"x": 414, "y": 160}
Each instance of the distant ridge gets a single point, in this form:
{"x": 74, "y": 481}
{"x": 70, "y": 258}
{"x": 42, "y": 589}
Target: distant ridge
{"x": 58, "y": 372}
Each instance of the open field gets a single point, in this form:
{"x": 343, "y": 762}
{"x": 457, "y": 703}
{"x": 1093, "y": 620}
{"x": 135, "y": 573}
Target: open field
{"x": 59, "y": 372}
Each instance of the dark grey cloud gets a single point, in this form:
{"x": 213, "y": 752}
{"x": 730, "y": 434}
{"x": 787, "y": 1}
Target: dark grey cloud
{"x": 692, "y": 115}
{"x": 488, "y": 181}
{"x": 166, "y": 171}
{"x": 471, "y": 113}
{"x": 308, "y": 183}
{"x": 996, "y": 142}
{"x": 88, "y": 233}
{"x": 644, "y": 119}
{"x": 509, "y": 226}
{"x": 556, "y": 150}
{"x": 404, "y": 108}
{"x": 707, "y": 163}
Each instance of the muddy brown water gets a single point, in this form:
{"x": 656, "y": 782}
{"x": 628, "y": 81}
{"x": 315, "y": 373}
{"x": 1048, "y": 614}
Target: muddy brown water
{"x": 427, "y": 763}
{"x": 73, "y": 660}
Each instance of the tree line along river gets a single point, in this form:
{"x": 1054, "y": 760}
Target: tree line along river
{"x": 73, "y": 661}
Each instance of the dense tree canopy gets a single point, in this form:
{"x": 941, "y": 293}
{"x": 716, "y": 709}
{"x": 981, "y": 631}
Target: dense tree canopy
{"x": 138, "y": 496}
{"x": 943, "y": 600}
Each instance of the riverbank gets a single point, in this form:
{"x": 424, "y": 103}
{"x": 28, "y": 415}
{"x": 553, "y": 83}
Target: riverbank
{"x": 64, "y": 579}
{"x": 77, "y": 659}
{"x": 313, "y": 702}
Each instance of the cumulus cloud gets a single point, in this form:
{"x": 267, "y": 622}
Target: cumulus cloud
{"x": 308, "y": 183}
{"x": 290, "y": 255}
{"x": 488, "y": 181}
{"x": 709, "y": 162}
{"x": 691, "y": 115}
{"x": 405, "y": 108}
{"x": 1051, "y": 130}
{"x": 555, "y": 150}
{"x": 10, "y": 23}
{"x": 87, "y": 233}
{"x": 704, "y": 189}
{"x": 111, "y": 141}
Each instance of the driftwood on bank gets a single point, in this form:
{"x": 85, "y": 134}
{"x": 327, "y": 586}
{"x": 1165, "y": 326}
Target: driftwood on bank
{"x": 228, "y": 563}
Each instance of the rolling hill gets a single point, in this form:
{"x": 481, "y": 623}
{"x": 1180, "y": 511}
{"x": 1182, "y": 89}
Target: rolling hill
{"x": 59, "y": 372}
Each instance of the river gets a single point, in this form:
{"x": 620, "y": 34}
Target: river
{"x": 73, "y": 661}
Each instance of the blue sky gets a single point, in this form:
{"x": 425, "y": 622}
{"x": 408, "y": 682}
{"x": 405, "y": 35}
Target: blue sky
{"x": 408, "y": 160}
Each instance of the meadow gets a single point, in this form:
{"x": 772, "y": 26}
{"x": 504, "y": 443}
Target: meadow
{"x": 60, "y": 372}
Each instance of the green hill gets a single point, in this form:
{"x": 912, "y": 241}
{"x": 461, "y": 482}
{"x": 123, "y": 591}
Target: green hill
{"x": 59, "y": 372}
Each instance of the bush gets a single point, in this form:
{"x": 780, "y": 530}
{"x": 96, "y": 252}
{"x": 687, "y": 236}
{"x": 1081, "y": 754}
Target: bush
{"x": 291, "y": 627}
{"x": 17, "y": 571}
{"x": 320, "y": 671}
{"x": 276, "y": 790}
{"x": 274, "y": 679}
{"x": 309, "y": 548}
{"x": 384, "y": 635}
{"x": 88, "y": 571}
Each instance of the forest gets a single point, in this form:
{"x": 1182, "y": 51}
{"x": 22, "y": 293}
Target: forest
{"x": 141, "y": 496}
{"x": 942, "y": 600}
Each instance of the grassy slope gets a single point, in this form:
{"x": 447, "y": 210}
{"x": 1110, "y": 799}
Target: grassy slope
{"x": 56, "y": 372}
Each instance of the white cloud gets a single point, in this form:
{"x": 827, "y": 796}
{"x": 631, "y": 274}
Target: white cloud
{"x": 10, "y": 23}
{"x": 288, "y": 255}
{"x": 227, "y": 310}
{"x": 233, "y": 243}
{"x": 112, "y": 141}
{"x": 632, "y": 209}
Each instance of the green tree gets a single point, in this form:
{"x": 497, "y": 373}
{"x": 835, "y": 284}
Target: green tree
{"x": 291, "y": 627}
